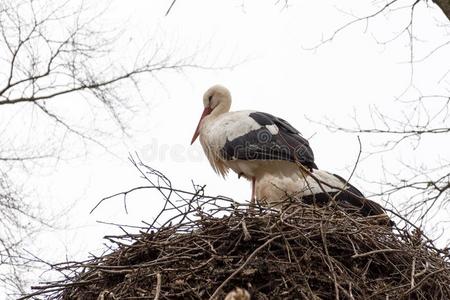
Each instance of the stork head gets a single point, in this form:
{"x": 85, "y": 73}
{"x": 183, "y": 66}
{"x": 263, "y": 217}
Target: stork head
{"x": 216, "y": 101}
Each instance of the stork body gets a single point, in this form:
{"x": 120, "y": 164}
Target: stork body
{"x": 274, "y": 191}
{"x": 250, "y": 143}
{"x": 267, "y": 150}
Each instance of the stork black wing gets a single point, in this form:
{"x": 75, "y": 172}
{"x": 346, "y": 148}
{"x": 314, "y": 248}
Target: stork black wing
{"x": 355, "y": 198}
{"x": 276, "y": 139}
{"x": 350, "y": 198}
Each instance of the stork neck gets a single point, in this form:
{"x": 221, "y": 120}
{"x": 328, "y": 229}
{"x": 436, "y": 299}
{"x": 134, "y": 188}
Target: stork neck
{"x": 222, "y": 108}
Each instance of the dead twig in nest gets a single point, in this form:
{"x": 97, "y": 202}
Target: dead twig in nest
{"x": 207, "y": 246}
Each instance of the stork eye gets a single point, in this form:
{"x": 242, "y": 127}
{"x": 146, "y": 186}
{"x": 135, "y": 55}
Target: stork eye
{"x": 209, "y": 99}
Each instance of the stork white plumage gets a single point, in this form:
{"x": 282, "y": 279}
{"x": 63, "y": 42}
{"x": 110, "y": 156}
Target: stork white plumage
{"x": 273, "y": 191}
{"x": 252, "y": 144}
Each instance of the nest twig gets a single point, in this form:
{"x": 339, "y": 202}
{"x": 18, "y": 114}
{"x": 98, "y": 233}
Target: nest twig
{"x": 212, "y": 245}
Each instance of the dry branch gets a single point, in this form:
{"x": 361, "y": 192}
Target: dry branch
{"x": 213, "y": 245}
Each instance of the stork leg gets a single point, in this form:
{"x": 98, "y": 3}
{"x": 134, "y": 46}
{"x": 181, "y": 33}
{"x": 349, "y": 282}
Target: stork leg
{"x": 253, "y": 198}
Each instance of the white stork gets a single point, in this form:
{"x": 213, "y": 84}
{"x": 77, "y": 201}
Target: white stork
{"x": 251, "y": 143}
{"x": 318, "y": 187}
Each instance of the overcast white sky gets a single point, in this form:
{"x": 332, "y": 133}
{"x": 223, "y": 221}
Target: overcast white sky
{"x": 276, "y": 74}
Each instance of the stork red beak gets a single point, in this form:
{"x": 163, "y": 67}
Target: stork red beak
{"x": 206, "y": 112}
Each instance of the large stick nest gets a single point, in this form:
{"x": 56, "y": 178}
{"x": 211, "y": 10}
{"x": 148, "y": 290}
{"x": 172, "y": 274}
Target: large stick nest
{"x": 211, "y": 245}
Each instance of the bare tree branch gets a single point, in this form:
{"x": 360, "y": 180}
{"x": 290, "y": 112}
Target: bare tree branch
{"x": 55, "y": 54}
{"x": 444, "y": 5}
{"x": 170, "y": 7}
